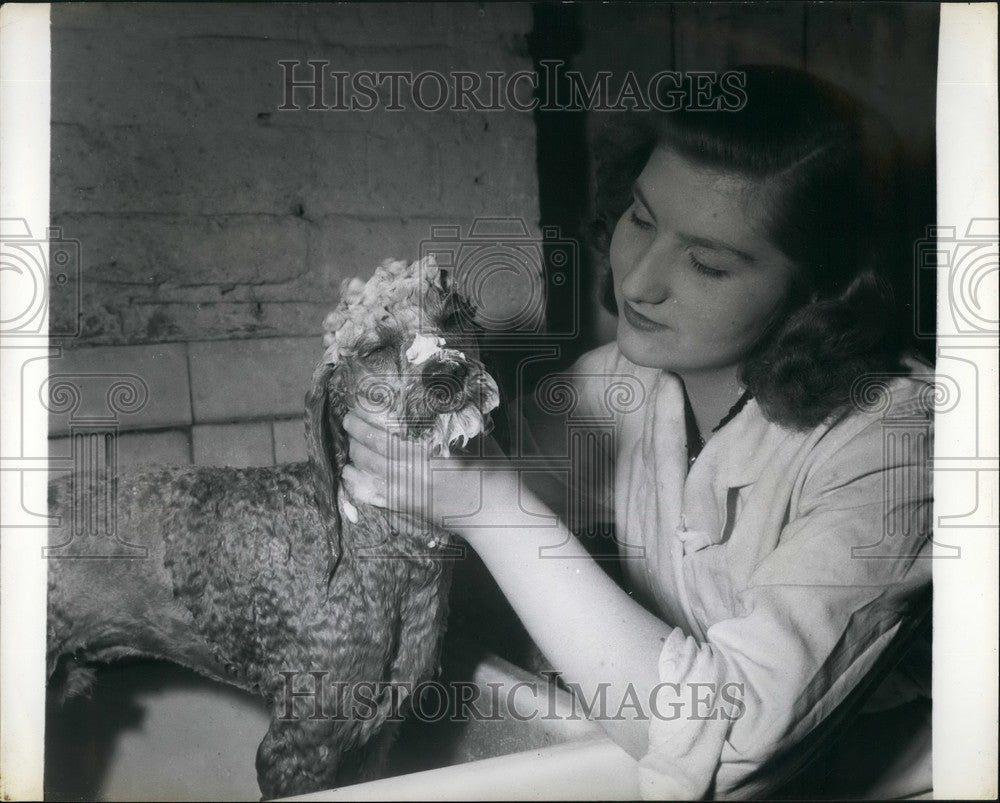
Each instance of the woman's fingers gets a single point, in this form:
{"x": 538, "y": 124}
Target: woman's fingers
{"x": 362, "y": 429}
{"x": 370, "y": 451}
{"x": 385, "y": 469}
{"x": 368, "y": 460}
{"x": 379, "y": 420}
{"x": 372, "y": 435}
{"x": 367, "y": 441}
{"x": 363, "y": 487}
{"x": 371, "y": 416}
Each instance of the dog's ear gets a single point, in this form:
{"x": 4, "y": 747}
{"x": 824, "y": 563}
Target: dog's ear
{"x": 459, "y": 324}
{"x": 326, "y": 444}
{"x": 444, "y": 281}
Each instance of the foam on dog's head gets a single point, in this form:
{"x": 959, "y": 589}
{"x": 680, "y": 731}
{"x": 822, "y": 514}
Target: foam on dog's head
{"x": 442, "y": 394}
{"x": 401, "y": 296}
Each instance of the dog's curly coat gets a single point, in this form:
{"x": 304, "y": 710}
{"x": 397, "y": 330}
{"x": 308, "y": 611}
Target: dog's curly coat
{"x": 258, "y": 571}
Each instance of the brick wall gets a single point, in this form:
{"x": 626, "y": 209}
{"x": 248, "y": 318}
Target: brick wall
{"x": 215, "y": 229}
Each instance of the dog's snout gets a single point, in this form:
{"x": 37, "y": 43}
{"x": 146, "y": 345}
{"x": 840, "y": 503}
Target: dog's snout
{"x": 444, "y": 384}
{"x": 446, "y": 370}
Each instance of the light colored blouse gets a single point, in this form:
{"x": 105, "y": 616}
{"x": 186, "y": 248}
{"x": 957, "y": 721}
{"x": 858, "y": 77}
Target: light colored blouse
{"x": 790, "y": 564}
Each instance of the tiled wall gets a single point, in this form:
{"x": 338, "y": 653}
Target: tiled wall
{"x": 225, "y": 402}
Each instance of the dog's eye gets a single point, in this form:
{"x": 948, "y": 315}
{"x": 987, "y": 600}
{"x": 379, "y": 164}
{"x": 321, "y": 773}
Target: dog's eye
{"x": 380, "y": 355}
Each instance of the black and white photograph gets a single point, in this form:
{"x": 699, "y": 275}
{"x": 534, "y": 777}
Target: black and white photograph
{"x": 498, "y": 400}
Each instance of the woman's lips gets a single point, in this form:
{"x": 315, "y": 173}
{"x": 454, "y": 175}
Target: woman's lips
{"x": 640, "y": 321}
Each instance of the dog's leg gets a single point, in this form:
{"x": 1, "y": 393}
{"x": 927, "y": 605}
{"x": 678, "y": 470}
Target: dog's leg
{"x": 298, "y": 754}
{"x": 369, "y": 763}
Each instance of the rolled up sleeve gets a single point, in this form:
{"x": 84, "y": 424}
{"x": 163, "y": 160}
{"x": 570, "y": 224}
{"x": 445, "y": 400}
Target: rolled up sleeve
{"x": 830, "y": 603}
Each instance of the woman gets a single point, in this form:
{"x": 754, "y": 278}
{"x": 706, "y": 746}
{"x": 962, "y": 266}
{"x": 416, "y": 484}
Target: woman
{"x": 759, "y": 513}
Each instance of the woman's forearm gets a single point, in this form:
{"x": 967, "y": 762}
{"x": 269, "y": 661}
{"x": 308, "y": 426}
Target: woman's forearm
{"x": 591, "y": 631}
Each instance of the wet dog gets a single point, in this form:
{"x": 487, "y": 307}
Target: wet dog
{"x": 270, "y": 579}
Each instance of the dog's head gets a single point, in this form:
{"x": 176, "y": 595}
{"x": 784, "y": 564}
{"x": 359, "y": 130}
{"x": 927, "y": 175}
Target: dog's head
{"x": 398, "y": 344}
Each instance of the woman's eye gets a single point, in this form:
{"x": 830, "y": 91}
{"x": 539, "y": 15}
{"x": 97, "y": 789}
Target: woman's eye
{"x": 705, "y": 270}
{"x": 642, "y": 223}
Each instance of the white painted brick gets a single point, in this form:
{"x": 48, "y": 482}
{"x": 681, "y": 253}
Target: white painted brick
{"x": 160, "y": 371}
{"x": 101, "y": 77}
{"x": 205, "y": 213}
{"x": 486, "y": 22}
{"x": 343, "y": 247}
{"x": 382, "y": 25}
{"x": 175, "y": 20}
{"x": 179, "y": 86}
{"x": 225, "y": 320}
{"x": 404, "y": 177}
{"x": 93, "y": 319}
{"x": 114, "y": 169}
{"x": 239, "y": 80}
{"x": 478, "y": 125}
{"x": 137, "y": 249}
{"x": 289, "y": 441}
{"x": 402, "y": 24}
{"x": 338, "y": 177}
{"x": 490, "y": 176}
{"x": 239, "y": 379}
{"x": 236, "y": 445}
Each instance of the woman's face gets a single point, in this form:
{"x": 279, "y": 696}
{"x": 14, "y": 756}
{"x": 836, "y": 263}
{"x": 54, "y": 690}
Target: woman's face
{"x": 696, "y": 279}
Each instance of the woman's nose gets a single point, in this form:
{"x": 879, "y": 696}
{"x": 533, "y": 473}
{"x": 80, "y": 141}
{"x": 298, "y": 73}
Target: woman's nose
{"x": 649, "y": 279}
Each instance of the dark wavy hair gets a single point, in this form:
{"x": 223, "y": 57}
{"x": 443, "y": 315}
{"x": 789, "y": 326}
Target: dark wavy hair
{"x": 830, "y": 170}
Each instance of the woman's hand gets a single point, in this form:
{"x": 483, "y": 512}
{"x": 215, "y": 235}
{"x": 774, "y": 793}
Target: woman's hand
{"x": 585, "y": 624}
{"x": 389, "y": 471}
